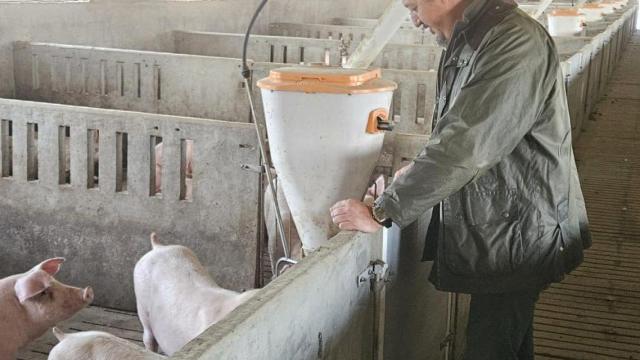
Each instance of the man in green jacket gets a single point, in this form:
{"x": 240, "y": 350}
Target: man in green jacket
{"x": 508, "y": 214}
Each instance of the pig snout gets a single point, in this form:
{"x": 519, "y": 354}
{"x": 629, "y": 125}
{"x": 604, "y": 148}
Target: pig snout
{"x": 69, "y": 301}
{"x": 60, "y": 302}
{"x": 87, "y": 295}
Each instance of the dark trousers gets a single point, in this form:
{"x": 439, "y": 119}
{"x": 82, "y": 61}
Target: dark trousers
{"x": 501, "y": 326}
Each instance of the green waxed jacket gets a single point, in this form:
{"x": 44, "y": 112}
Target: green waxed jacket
{"x": 499, "y": 167}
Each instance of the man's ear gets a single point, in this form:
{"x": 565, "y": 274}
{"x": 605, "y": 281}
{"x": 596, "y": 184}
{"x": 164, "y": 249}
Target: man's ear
{"x": 50, "y": 266}
{"x": 31, "y": 284}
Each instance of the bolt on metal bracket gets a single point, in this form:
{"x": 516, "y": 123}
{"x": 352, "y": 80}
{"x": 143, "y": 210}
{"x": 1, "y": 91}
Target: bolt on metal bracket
{"x": 377, "y": 271}
{"x": 258, "y": 169}
{"x": 253, "y": 168}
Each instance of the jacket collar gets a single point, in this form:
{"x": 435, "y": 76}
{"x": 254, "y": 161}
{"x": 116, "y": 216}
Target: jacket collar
{"x": 479, "y": 17}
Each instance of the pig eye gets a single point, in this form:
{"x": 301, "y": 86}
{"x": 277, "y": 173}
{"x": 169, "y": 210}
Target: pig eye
{"x": 46, "y": 293}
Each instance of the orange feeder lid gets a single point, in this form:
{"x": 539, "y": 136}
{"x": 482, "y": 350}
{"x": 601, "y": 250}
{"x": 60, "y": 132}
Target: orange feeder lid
{"x": 324, "y": 79}
{"x": 565, "y": 12}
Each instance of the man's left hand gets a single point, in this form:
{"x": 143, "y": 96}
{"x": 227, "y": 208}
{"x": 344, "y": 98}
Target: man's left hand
{"x": 352, "y": 214}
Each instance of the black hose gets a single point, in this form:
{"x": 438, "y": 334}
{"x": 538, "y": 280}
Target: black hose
{"x": 246, "y": 73}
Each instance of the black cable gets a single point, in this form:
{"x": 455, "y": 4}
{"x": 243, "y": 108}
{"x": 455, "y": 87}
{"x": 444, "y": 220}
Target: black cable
{"x": 260, "y": 129}
{"x": 246, "y": 73}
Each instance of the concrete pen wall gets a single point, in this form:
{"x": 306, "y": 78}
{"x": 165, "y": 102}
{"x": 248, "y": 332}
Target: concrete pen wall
{"x": 147, "y": 25}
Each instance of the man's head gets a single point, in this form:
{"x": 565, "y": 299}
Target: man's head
{"x": 439, "y": 16}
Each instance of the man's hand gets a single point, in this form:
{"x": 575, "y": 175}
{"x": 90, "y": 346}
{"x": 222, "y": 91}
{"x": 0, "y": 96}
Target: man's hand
{"x": 352, "y": 214}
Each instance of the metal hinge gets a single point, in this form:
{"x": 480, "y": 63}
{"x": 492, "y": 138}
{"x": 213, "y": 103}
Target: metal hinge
{"x": 377, "y": 271}
{"x": 258, "y": 169}
{"x": 253, "y": 168}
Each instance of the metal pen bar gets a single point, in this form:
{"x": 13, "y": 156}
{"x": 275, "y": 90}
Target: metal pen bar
{"x": 260, "y": 131}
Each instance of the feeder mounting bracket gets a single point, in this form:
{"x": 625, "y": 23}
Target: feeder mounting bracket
{"x": 376, "y": 272}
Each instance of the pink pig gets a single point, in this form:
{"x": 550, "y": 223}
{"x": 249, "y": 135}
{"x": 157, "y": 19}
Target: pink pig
{"x": 97, "y": 345}
{"x": 31, "y": 303}
{"x": 188, "y": 170}
{"x": 177, "y": 299}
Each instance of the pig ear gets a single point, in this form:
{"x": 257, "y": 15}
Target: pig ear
{"x": 60, "y": 335}
{"x": 30, "y": 285}
{"x": 51, "y": 266}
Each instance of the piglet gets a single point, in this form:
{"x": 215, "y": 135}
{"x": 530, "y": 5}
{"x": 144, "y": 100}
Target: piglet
{"x": 188, "y": 169}
{"x": 31, "y": 303}
{"x": 176, "y": 298}
{"x": 97, "y": 345}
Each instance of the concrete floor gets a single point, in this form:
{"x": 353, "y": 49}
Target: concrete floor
{"x": 595, "y": 312}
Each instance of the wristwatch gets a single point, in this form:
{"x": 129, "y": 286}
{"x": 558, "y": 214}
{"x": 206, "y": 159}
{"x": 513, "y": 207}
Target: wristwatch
{"x": 378, "y": 214}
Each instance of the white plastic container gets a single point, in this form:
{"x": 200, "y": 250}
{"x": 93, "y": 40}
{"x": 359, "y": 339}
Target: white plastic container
{"x": 565, "y": 22}
{"x": 608, "y": 8}
{"x": 530, "y": 9}
{"x": 613, "y": 5}
{"x": 592, "y": 12}
{"x": 324, "y": 139}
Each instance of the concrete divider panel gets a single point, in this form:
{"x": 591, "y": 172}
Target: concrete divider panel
{"x": 102, "y": 231}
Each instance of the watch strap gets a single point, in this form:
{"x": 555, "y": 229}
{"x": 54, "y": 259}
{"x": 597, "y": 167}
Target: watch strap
{"x": 380, "y": 217}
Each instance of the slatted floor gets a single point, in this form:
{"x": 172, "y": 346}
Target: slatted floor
{"x": 119, "y": 323}
{"x": 595, "y": 313}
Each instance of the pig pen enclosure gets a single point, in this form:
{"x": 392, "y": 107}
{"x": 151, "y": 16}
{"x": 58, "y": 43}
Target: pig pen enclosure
{"x": 78, "y": 152}
{"x": 80, "y": 181}
{"x": 77, "y": 148}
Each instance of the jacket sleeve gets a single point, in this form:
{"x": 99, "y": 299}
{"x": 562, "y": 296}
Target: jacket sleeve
{"x": 504, "y": 95}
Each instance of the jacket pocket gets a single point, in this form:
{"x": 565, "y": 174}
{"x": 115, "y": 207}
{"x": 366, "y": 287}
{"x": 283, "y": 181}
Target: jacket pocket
{"x": 487, "y": 241}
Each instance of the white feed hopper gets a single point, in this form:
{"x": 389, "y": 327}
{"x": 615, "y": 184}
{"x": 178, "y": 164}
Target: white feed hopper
{"x": 565, "y": 22}
{"x": 592, "y": 12}
{"x": 324, "y": 138}
{"x": 612, "y": 5}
